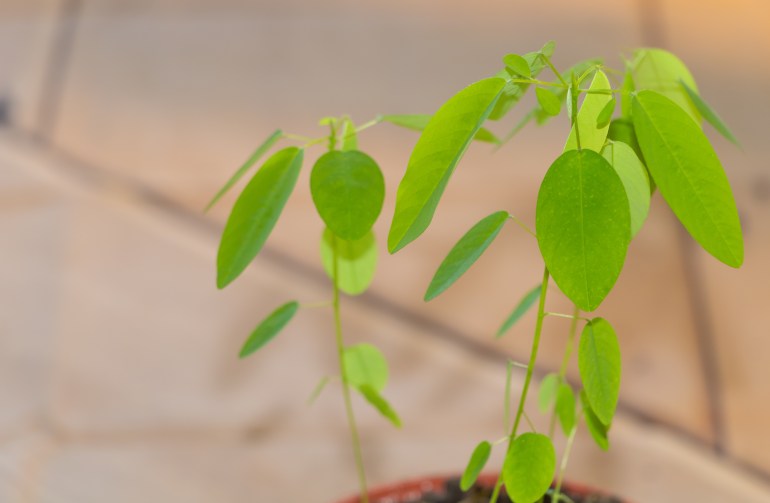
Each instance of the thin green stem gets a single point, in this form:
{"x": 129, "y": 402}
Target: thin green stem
{"x": 553, "y": 69}
{"x": 565, "y": 360}
{"x": 567, "y": 316}
{"x": 522, "y": 225}
{"x": 564, "y": 462}
{"x": 359, "y": 459}
{"x": 528, "y": 378}
{"x": 544, "y": 83}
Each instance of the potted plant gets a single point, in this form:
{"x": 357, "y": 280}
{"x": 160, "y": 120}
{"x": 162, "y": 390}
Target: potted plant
{"x": 631, "y": 133}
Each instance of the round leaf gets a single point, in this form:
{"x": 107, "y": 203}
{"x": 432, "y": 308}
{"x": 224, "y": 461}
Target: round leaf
{"x": 548, "y": 101}
{"x": 269, "y": 328}
{"x": 599, "y": 364}
{"x": 518, "y": 64}
{"x": 477, "y": 462}
{"x": 583, "y": 226}
{"x": 365, "y": 365}
{"x": 529, "y": 467}
{"x": 348, "y": 190}
{"x": 356, "y": 261}
{"x": 633, "y": 174}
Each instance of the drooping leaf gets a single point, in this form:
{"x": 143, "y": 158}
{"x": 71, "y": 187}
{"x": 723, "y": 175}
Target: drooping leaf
{"x": 529, "y": 467}
{"x": 591, "y": 136}
{"x": 521, "y": 308}
{"x": 269, "y": 328}
{"x": 514, "y": 91}
{"x": 549, "y": 386}
{"x": 255, "y": 213}
{"x": 689, "y": 175}
{"x": 365, "y": 365}
{"x": 709, "y": 114}
{"x": 583, "y": 226}
{"x": 599, "y": 364}
{"x": 661, "y": 71}
{"x": 418, "y": 122}
{"x": 378, "y": 402}
{"x": 477, "y": 462}
{"x": 548, "y": 101}
{"x": 518, "y": 64}
{"x": 348, "y": 190}
{"x": 565, "y": 408}
{"x": 251, "y": 161}
{"x": 605, "y": 116}
{"x": 467, "y": 250}
{"x": 435, "y": 157}
{"x": 349, "y": 136}
{"x": 595, "y": 427}
{"x": 633, "y": 174}
{"x": 356, "y": 261}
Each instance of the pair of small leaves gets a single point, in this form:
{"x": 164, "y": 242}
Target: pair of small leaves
{"x": 418, "y": 122}
{"x": 556, "y": 393}
{"x": 514, "y": 91}
{"x": 367, "y": 371}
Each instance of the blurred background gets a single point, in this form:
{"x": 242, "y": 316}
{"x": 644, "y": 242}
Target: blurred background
{"x": 119, "y": 377}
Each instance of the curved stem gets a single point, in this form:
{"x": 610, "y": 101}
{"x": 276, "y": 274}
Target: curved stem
{"x": 528, "y": 378}
{"x": 563, "y": 467}
{"x": 359, "y": 459}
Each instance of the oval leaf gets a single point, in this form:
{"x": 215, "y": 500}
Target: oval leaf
{"x": 547, "y": 394}
{"x": 513, "y": 91}
{"x": 709, "y": 114}
{"x": 583, "y": 226}
{"x": 365, "y": 365}
{"x": 378, "y": 402}
{"x": 418, "y": 122}
{"x": 599, "y": 364}
{"x": 348, "y": 191}
{"x": 518, "y": 64}
{"x": 659, "y": 70}
{"x": 356, "y": 261}
{"x": 591, "y": 136}
{"x": 689, "y": 175}
{"x": 255, "y": 213}
{"x": 477, "y": 462}
{"x": 605, "y": 116}
{"x": 599, "y": 432}
{"x": 523, "y": 306}
{"x": 269, "y": 328}
{"x": 435, "y": 156}
{"x": 529, "y": 467}
{"x": 548, "y": 101}
{"x": 466, "y": 252}
{"x": 565, "y": 408}
{"x": 633, "y": 174}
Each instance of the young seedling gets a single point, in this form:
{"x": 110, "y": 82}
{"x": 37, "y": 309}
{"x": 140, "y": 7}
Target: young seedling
{"x": 592, "y": 201}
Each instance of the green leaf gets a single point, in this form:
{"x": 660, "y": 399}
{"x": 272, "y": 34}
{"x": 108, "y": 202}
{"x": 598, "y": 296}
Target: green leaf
{"x": 689, "y": 175}
{"x": 318, "y": 389}
{"x": 622, "y": 130}
{"x": 583, "y": 226}
{"x": 605, "y": 116}
{"x": 365, "y": 365}
{"x": 477, "y": 462}
{"x": 565, "y": 408}
{"x": 255, "y": 213}
{"x": 348, "y": 190}
{"x": 599, "y": 364}
{"x": 418, "y": 122}
{"x": 591, "y": 136}
{"x": 578, "y": 69}
{"x": 548, "y": 101}
{"x": 518, "y": 64}
{"x": 466, "y": 252}
{"x": 659, "y": 70}
{"x": 521, "y": 308}
{"x": 252, "y": 160}
{"x": 633, "y": 174}
{"x": 434, "y": 158}
{"x": 595, "y": 427}
{"x": 513, "y": 92}
{"x": 709, "y": 114}
{"x": 349, "y": 136}
{"x": 549, "y": 386}
{"x": 378, "y": 402}
{"x": 529, "y": 467}
{"x": 356, "y": 261}
{"x": 626, "y": 89}
{"x": 269, "y": 328}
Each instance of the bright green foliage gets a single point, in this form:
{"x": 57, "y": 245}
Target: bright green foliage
{"x": 529, "y": 467}
{"x": 635, "y": 180}
{"x": 622, "y": 130}
{"x": 591, "y": 136}
{"x": 565, "y": 408}
{"x": 605, "y": 116}
{"x": 548, "y": 101}
{"x": 541, "y": 117}
{"x": 356, "y": 261}
{"x": 269, "y": 328}
{"x": 583, "y": 226}
{"x": 549, "y": 387}
{"x": 513, "y": 91}
{"x": 466, "y": 252}
{"x": 689, "y": 175}
{"x": 251, "y": 161}
{"x": 518, "y": 64}
{"x": 418, "y": 122}
{"x": 626, "y": 89}
{"x": 365, "y": 365}
{"x": 255, "y": 213}
{"x": 477, "y": 462}
{"x": 709, "y": 114}
{"x": 660, "y": 71}
{"x": 378, "y": 402}
{"x": 599, "y": 364}
{"x": 521, "y": 308}
{"x": 435, "y": 156}
{"x": 348, "y": 191}
{"x": 598, "y": 430}
{"x": 349, "y": 137}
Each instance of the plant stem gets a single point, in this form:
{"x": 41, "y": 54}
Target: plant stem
{"x": 528, "y": 378}
{"x": 359, "y": 459}
{"x": 522, "y": 225}
{"x": 553, "y": 69}
{"x": 565, "y": 361}
{"x": 564, "y": 461}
